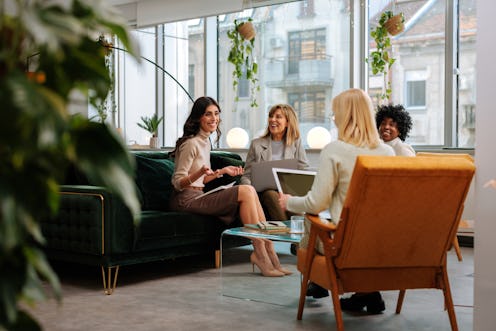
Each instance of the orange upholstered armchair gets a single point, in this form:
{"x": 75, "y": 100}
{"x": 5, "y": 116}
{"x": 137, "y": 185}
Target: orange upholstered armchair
{"x": 398, "y": 220}
{"x": 463, "y": 223}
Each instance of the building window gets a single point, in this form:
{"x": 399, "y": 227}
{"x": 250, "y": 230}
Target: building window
{"x": 305, "y": 45}
{"x": 307, "y": 8}
{"x": 310, "y": 106}
{"x": 415, "y": 93}
{"x": 243, "y": 87}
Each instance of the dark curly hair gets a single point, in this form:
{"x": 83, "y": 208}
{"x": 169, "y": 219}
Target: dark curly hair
{"x": 398, "y": 114}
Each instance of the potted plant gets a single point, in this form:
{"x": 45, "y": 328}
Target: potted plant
{"x": 39, "y": 139}
{"x": 381, "y": 58}
{"x": 151, "y": 124}
{"x": 242, "y": 37}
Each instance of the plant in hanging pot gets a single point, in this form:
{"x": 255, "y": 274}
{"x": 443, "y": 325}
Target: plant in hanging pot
{"x": 242, "y": 37}
{"x": 151, "y": 124}
{"x": 381, "y": 59}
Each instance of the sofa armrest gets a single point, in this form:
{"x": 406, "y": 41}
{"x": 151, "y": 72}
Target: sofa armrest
{"x": 90, "y": 221}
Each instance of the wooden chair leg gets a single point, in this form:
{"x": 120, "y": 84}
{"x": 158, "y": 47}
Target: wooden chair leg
{"x": 448, "y": 299}
{"x": 338, "y": 313}
{"x": 399, "y": 304}
{"x": 457, "y": 249}
{"x": 303, "y": 294}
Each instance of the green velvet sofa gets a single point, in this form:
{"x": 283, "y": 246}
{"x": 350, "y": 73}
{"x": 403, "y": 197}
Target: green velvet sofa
{"x": 94, "y": 227}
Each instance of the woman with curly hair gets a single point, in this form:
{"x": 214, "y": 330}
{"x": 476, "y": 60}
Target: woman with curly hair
{"x": 394, "y": 124}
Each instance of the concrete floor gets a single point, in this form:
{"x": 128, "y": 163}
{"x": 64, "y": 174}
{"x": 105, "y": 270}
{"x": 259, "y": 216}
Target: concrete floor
{"x": 188, "y": 294}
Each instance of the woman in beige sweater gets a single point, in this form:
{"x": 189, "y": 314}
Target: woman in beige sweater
{"x": 192, "y": 171}
{"x": 357, "y": 135}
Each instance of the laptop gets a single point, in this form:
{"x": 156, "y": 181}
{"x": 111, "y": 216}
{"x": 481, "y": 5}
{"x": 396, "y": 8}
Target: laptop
{"x": 293, "y": 181}
{"x": 261, "y": 173}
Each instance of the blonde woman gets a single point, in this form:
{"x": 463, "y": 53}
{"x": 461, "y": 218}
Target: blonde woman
{"x": 281, "y": 140}
{"x": 357, "y": 135}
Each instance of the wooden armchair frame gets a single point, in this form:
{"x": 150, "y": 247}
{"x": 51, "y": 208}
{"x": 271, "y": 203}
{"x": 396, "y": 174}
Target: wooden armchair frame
{"x": 398, "y": 221}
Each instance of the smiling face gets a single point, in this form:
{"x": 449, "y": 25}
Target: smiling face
{"x": 210, "y": 119}
{"x": 388, "y": 129}
{"x": 277, "y": 125}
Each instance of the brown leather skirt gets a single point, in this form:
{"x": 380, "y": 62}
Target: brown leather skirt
{"x": 222, "y": 204}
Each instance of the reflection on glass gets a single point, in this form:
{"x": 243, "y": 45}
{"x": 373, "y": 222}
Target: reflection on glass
{"x": 302, "y": 49}
{"x": 417, "y": 76}
{"x": 466, "y": 77}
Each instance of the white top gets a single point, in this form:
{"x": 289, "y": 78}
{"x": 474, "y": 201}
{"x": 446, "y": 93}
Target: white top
{"x": 337, "y": 161}
{"x": 329, "y": 188}
{"x": 401, "y": 148}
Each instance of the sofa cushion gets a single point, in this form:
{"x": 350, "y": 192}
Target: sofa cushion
{"x": 153, "y": 177}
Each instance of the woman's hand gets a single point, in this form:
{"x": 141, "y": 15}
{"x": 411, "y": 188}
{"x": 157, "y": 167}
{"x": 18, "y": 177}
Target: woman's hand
{"x": 206, "y": 171}
{"x": 283, "y": 200}
{"x": 231, "y": 171}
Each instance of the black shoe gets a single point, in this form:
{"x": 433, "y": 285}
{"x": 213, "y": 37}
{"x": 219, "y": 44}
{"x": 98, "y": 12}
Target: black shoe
{"x": 317, "y": 292}
{"x": 371, "y": 301}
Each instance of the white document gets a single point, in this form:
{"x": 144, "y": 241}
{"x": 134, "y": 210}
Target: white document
{"x": 223, "y": 187}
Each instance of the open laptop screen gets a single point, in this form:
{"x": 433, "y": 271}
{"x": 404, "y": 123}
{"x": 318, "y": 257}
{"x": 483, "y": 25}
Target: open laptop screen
{"x": 293, "y": 181}
{"x": 261, "y": 173}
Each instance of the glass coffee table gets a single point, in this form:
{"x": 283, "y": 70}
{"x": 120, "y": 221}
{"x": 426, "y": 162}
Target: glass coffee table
{"x": 238, "y": 280}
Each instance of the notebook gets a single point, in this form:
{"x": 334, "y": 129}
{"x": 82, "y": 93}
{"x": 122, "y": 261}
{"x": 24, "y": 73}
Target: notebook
{"x": 261, "y": 173}
{"x": 293, "y": 181}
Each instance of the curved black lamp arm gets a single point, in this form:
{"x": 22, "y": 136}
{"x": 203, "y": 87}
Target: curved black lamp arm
{"x": 156, "y": 65}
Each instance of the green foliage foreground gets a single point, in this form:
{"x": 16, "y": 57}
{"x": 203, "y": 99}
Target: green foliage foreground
{"x": 39, "y": 139}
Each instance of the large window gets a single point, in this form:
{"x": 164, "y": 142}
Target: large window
{"x": 420, "y": 76}
{"x": 303, "y": 55}
{"x": 303, "y": 50}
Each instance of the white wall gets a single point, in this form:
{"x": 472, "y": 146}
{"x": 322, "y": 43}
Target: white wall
{"x": 485, "y": 160}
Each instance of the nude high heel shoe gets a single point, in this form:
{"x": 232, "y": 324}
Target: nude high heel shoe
{"x": 274, "y": 259}
{"x": 264, "y": 268}
{"x": 260, "y": 258}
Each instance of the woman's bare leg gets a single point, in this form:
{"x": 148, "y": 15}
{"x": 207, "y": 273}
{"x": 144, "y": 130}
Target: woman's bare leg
{"x": 250, "y": 212}
{"x": 250, "y": 209}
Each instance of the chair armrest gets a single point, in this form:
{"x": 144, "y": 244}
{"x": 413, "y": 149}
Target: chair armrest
{"x": 321, "y": 223}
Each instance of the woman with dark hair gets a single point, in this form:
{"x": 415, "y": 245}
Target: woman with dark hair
{"x": 394, "y": 123}
{"x": 192, "y": 171}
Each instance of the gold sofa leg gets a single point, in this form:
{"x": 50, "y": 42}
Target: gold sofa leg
{"x": 108, "y": 285}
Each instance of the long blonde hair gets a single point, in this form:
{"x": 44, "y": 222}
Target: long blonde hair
{"x": 292, "y": 131}
{"x": 354, "y": 117}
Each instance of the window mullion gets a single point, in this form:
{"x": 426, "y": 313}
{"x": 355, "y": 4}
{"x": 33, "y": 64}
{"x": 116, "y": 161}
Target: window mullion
{"x": 451, "y": 77}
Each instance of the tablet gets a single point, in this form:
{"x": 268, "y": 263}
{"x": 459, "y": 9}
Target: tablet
{"x": 293, "y": 181}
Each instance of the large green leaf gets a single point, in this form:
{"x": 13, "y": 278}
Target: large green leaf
{"x": 57, "y": 41}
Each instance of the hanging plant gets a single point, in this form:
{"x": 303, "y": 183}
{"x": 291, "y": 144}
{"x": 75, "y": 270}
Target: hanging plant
{"x": 381, "y": 58}
{"x": 242, "y": 37}
{"x": 106, "y": 106}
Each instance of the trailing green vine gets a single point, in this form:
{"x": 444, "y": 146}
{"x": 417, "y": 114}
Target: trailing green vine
{"x": 241, "y": 56}
{"x": 381, "y": 59}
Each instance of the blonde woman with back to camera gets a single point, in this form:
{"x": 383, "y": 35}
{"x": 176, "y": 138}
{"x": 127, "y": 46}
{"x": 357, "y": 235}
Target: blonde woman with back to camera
{"x": 357, "y": 135}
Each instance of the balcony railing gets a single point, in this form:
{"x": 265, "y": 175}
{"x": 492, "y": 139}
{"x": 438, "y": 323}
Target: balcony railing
{"x": 282, "y": 72}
